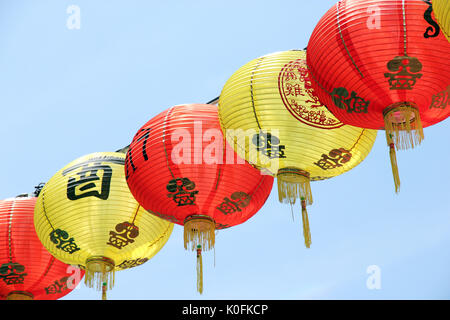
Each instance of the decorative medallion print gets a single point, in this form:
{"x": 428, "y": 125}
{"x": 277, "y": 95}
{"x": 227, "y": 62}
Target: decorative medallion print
{"x": 294, "y": 83}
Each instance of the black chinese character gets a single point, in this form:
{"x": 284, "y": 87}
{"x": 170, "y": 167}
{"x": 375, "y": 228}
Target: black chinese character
{"x": 350, "y": 103}
{"x": 238, "y": 200}
{"x": 63, "y": 242}
{"x": 12, "y": 273}
{"x": 88, "y": 181}
{"x": 181, "y": 191}
{"x": 269, "y": 145}
{"x": 125, "y": 234}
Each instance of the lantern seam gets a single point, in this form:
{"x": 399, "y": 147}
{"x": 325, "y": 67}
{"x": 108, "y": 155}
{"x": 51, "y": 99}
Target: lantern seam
{"x": 47, "y": 270}
{"x": 45, "y": 211}
{"x": 251, "y": 92}
{"x": 164, "y": 141}
{"x": 169, "y": 226}
{"x": 357, "y": 140}
{"x": 343, "y": 41}
{"x": 9, "y": 230}
{"x": 404, "y": 28}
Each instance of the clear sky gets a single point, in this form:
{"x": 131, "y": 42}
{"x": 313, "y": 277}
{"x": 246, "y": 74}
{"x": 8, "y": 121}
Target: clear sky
{"x": 65, "y": 93}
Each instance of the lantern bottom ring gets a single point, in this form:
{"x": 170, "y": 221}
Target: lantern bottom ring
{"x": 199, "y": 230}
{"x": 292, "y": 174}
{"x": 19, "y": 295}
{"x": 96, "y": 263}
{"x": 397, "y": 115}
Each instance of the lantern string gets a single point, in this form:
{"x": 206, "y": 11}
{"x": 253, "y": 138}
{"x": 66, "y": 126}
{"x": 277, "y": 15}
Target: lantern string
{"x": 213, "y": 101}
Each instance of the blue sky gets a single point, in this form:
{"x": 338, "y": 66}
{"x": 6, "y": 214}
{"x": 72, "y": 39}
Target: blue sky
{"x": 66, "y": 93}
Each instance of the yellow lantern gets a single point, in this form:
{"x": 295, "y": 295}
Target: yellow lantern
{"x": 269, "y": 113}
{"x": 441, "y": 9}
{"x": 86, "y": 215}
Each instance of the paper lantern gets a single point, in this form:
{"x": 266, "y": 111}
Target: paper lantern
{"x": 382, "y": 65}
{"x": 441, "y": 9}
{"x": 27, "y": 270}
{"x": 86, "y": 215}
{"x": 180, "y": 168}
{"x": 269, "y": 113}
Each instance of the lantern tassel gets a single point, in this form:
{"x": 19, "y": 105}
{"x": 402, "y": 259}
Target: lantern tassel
{"x": 199, "y": 270}
{"x": 199, "y": 230}
{"x": 199, "y": 233}
{"x": 100, "y": 274}
{"x": 306, "y": 230}
{"x": 403, "y": 124}
{"x": 293, "y": 184}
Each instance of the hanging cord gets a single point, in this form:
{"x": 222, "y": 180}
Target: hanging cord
{"x": 213, "y": 101}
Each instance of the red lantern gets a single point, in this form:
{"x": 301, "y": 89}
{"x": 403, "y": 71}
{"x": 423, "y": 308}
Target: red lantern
{"x": 27, "y": 270}
{"x": 180, "y": 168}
{"x": 382, "y": 65}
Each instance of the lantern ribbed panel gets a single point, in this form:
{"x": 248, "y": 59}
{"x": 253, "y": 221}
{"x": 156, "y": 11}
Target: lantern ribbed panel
{"x": 273, "y": 93}
{"x": 43, "y": 277}
{"x": 441, "y": 9}
{"x": 90, "y": 200}
{"x": 366, "y": 56}
{"x": 153, "y": 169}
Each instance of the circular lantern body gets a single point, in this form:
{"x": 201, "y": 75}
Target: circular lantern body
{"x": 180, "y": 168}
{"x": 27, "y": 270}
{"x": 86, "y": 215}
{"x": 441, "y": 9}
{"x": 382, "y": 65}
{"x": 269, "y": 113}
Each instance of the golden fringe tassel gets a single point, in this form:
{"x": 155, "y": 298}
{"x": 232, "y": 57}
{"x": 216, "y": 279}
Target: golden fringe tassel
{"x": 199, "y": 270}
{"x": 306, "y": 230}
{"x": 199, "y": 230}
{"x": 100, "y": 274}
{"x": 294, "y": 184}
{"x": 402, "y": 122}
{"x": 394, "y": 165}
